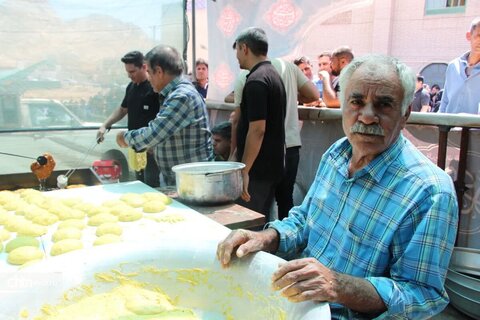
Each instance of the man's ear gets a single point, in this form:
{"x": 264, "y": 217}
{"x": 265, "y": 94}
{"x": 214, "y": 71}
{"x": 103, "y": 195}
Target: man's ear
{"x": 468, "y": 36}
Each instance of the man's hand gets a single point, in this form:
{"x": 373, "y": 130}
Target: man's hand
{"x": 242, "y": 242}
{"x": 305, "y": 279}
{"x": 101, "y": 133}
{"x": 246, "y": 180}
{"x": 121, "y": 140}
{"x": 324, "y": 75}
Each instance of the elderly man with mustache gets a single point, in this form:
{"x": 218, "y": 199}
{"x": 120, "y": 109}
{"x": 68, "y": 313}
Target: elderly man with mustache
{"x": 374, "y": 235}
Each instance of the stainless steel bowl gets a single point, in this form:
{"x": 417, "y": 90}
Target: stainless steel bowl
{"x": 207, "y": 183}
{"x": 463, "y": 281}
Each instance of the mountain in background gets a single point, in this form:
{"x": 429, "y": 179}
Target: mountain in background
{"x": 81, "y": 49}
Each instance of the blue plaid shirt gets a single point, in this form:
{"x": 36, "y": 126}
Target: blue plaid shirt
{"x": 180, "y": 132}
{"x": 393, "y": 223}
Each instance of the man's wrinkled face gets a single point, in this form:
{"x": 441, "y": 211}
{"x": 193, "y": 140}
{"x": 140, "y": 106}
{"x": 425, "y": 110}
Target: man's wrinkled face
{"x": 201, "y": 72}
{"x": 372, "y": 116}
{"x": 324, "y": 64}
{"x": 155, "y": 78}
{"x": 474, "y": 39}
{"x": 307, "y": 70}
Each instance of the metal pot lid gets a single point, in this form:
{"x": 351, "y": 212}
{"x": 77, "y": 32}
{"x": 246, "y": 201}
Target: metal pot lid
{"x": 208, "y": 167}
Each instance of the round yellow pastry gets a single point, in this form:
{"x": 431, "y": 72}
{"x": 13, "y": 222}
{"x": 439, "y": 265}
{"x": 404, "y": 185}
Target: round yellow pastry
{"x": 101, "y": 218}
{"x": 23, "y": 211}
{"x": 4, "y": 217}
{"x": 46, "y": 219}
{"x": 109, "y": 228}
{"x": 72, "y": 223}
{"x": 33, "y": 211}
{"x": 32, "y": 229}
{"x": 36, "y": 199}
{"x": 98, "y": 209}
{"x": 89, "y": 208}
{"x": 8, "y": 196}
{"x": 154, "y": 206}
{"x": 14, "y": 205}
{"x": 4, "y": 235}
{"x": 13, "y": 223}
{"x": 24, "y": 254}
{"x": 70, "y": 202}
{"x": 133, "y": 199}
{"x": 71, "y": 213}
{"x": 21, "y": 241}
{"x": 107, "y": 238}
{"x": 67, "y": 233}
{"x": 130, "y": 215}
{"x": 119, "y": 208}
{"x": 64, "y": 246}
{"x": 25, "y": 192}
{"x": 157, "y": 196}
{"x": 50, "y": 202}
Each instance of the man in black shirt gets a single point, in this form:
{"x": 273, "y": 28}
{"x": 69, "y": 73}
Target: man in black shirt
{"x": 142, "y": 105}
{"x": 261, "y": 130}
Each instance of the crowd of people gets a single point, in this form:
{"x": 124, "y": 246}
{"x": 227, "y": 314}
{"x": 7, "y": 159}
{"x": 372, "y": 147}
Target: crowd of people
{"x": 375, "y": 232}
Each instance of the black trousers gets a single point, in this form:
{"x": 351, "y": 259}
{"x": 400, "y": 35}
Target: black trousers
{"x": 284, "y": 190}
{"x": 261, "y": 196}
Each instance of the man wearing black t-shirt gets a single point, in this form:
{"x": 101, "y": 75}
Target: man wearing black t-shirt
{"x": 142, "y": 105}
{"x": 261, "y": 130}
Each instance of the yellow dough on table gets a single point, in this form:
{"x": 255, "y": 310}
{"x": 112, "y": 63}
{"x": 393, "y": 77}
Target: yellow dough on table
{"x": 71, "y": 213}
{"x": 130, "y": 215}
{"x": 101, "y": 218}
{"x": 15, "y": 205}
{"x": 31, "y": 229}
{"x": 46, "y": 219}
{"x": 71, "y": 202}
{"x": 21, "y": 241}
{"x": 67, "y": 233}
{"x": 109, "y": 228}
{"x": 72, "y": 223}
{"x": 106, "y": 239}
{"x": 157, "y": 196}
{"x": 4, "y": 235}
{"x": 133, "y": 199}
{"x": 8, "y": 196}
{"x": 126, "y": 301}
{"x": 22, "y": 255}
{"x": 119, "y": 208}
{"x": 154, "y": 206}
{"x": 64, "y": 246}
{"x": 12, "y": 222}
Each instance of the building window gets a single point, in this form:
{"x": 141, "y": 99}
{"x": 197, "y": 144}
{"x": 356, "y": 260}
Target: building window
{"x": 444, "y": 6}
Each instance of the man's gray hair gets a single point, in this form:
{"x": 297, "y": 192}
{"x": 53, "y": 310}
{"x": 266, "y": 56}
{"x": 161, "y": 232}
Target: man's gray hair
{"x": 475, "y": 23}
{"x": 167, "y": 58}
{"x": 255, "y": 39}
{"x": 405, "y": 75}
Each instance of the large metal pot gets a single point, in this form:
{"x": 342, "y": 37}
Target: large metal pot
{"x": 209, "y": 182}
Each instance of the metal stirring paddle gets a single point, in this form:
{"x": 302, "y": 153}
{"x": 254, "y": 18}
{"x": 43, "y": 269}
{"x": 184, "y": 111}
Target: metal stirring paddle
{"x": 62, "y": 179}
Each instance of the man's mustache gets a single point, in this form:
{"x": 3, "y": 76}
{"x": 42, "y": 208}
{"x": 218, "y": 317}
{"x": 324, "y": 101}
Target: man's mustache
{"x": 372, "y": 129}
